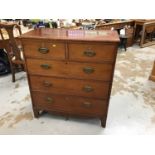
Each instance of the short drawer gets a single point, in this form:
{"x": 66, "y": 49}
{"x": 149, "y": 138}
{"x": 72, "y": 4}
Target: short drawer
{"x": 70, "y": 69}
{"x": 92, "y": 52}
{"x": 86, "y": 88}
{"x": 45, "y": 50}
{"x": 70, "y": 104}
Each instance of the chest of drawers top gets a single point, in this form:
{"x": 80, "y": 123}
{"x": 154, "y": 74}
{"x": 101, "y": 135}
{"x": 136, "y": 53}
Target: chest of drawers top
{"x": 71, "y": 35}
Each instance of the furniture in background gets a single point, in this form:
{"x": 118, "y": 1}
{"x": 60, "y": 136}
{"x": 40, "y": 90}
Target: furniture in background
{"x": 116, "y": 25}
{"x": 129, "y": 31}
{"x": 123, "y": 38}
{"x": 148, "y": 34}
{"x": 12, "y": 46}
{"x": 152, "y": 76}
{"x": 138, "y": 28}
{"x": 144, "y": 29}
{"x": 128, "y": 25}
{"x": 88, "y": 25}
{"x": 70, "y": 71}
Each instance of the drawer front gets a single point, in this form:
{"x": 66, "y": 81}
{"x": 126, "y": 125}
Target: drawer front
{"x": 86, "y": 88}
{"x": 75, "y": 105}
{"x": 70, "y": 69}
{"x": 45, "y": 50}
{"x": 92, "y": 52}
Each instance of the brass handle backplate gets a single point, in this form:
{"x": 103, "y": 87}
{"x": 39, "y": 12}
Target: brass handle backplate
{"x": 87, "y": 104}
{"x": 45, "y": 66}
{"x": 47, "y": 84}
{"x": 88, "y": 70}
{"x": 43, "y": 50}
{"x": 49, "y": 100}
{"x": 89, "y": 53}
{"x": 88, "y": 89}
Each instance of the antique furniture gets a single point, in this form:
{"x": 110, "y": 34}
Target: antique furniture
{"x": 70, "y": 71}
{"x": 152, "y": 76}
{"x": 138, "y": 28}
{"x": 116, "y": 25}
{"x": 128, "y": 25}
{"x": 12, "y": 47}
{"x": 129, "y": 31}
{"x": 141, "y": 29}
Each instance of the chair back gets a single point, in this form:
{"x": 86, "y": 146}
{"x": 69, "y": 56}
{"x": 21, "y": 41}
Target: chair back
{"x": 10, "y": 43}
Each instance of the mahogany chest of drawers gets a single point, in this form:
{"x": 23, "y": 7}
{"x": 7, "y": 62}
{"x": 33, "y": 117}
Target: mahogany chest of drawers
{"x": 70, "y": 71}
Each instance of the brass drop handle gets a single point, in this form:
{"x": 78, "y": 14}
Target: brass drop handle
{"x": 88, "y": 89}
{"x": 45, "y": 66}
{"x": 87, "y": 104}
{"x": 43, "y": 50}
{"x": 88, "y": 70}
{"x": 89, "y": 53}
{"x": 47, "y": 84}
{"x": 49, "y": 100}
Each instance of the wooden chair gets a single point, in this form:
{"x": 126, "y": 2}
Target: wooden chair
{"x": 12, "y": 47}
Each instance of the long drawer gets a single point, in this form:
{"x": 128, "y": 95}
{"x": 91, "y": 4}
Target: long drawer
{"x": 92, "y": 52}
{"x": 45, "y": 50}
{"x": 74, "y": 105}
{"x": 86, "y": 88}
{"x": 70, "y": 69}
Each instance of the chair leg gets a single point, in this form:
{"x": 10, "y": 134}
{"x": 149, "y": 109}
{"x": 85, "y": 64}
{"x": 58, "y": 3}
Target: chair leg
{"x": 125, "y": 46}
{"x": 13, "y": 72}
{"x": 13, "y": 75}
{"x": 152, "y": 36}
{"x": 23, "y": 67}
